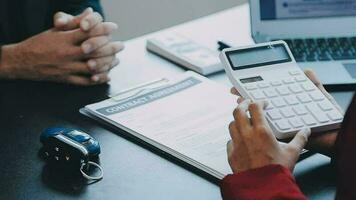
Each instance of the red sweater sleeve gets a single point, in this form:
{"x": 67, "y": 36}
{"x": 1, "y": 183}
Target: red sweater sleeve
{"x": 270, "y": 182}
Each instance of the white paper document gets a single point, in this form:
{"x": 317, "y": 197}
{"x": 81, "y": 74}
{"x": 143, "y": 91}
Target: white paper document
{"x": 187, "y": 117}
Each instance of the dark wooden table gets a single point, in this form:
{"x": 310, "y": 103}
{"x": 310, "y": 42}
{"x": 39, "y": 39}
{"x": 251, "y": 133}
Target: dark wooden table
{"x": 132, "y": 171}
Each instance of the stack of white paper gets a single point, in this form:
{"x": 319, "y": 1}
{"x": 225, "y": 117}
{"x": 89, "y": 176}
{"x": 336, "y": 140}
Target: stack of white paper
{"x": 187, "y": 118}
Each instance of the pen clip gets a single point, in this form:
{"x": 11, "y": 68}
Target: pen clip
{"x": 140, "y": 89}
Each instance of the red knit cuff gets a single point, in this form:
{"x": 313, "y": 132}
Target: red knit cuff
{"x": 269, "y": 182}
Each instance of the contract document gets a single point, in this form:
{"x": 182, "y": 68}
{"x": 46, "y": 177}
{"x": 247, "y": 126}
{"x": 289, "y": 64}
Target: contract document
{"x": 187, "y": 117}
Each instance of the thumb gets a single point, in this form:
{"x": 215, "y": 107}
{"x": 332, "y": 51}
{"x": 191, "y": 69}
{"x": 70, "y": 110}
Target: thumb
{"x": 300, "y": 139}
{"x": 66, "y": 22}
{"x": 61, "y": 20}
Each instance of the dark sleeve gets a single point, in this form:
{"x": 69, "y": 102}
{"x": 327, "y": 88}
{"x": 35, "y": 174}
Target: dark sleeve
{"x": 270, "y": 182}
{"x": 73, "y": 7}
{"x": 345, "y": 159}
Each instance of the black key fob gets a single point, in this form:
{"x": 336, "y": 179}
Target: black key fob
{"x": 69, "y": 149}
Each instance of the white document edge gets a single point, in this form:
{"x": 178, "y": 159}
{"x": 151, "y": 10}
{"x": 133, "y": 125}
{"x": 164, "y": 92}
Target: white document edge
{"x": 159, "y": 146}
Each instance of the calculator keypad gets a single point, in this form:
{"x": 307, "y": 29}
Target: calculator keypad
{"x": 294, "y": 102}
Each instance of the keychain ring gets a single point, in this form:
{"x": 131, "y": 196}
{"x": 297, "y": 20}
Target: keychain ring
{"x": 99, "y": 177}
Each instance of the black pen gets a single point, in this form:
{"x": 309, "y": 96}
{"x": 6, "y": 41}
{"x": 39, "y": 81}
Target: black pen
{"x": 223, "y": 45}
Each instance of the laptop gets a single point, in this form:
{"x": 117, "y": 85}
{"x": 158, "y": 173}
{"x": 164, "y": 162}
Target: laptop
{"x": 320, "y": 33}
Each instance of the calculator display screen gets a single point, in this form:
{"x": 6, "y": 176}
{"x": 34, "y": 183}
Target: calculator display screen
{"x": 251, "y": 80}
{"x": 258, "y": 56}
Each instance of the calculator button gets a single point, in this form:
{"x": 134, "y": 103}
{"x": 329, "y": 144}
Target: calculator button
{"x": 308, "y": 87}
{"x": 325, "y": 106}
{"x": 257, "y": 95}
{"x": 316, "y": 96}
{"x": 296, "y": 122}
{"x": 251, "y": 87}
{"x": 300, "y": 110}
{"x": 291, "y": 100}
{"x": 317, "y": 113}
{"x": 190, "y": 49}
{"x": 279, "y": 102}
{"x": 309, "y": 120}
{"x": 313, "y": 108}
{"x": 171, "y": 41}
{"x": 296, "y": 89}
{"x": 283, "y": 91}
{"x": 269, "y": 106}
{"x": 206, "y": 58}
{"x": 263, "y": 85}
{"x": 304, "y": 98}
{"x": 270, "y": 93}
{"x": 287, "y": 112}
{"x": 288, "y": 81}
{"x": 274, "y": 114}
{"x": 300, "y": 79}
{"x": 294, "y": 72}
{"x": 335, "y": 116}
{"x": 276, "y": 83}
{"x": 322, "y": 118}
{"x": 283, "y": 125}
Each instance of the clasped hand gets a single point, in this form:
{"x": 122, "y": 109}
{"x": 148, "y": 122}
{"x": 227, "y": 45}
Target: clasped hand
{"x": 78, "y": 50}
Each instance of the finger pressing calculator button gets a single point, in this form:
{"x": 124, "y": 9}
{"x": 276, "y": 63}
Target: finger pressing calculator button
{"x": 270, "y": 93}
{"x": 283, "y": 90}
{"x": 291, "y": 100}
{"x": 304, "y": 98}
{"x": 295, "y": 89}
{"x": 279, "y": 102}
{"x": 283, "y": 125}
{"x": 325, "y": 106}
{"x": 287, "y": 112}
{"x": 251, "y": 87}
{"x": 274, "y": 114}
{"x": 335, "y": 116}
{"x": 308, "y": 87}
{"x": 300, "y": 78}
{"x": 257, "y": 95}
{"x": 316, "y": 96}
{"x": 296, "y": 122}
{"x": 309, "y": 120}
{"x": 276, "y": 83}
{"x": 300, "y": 110}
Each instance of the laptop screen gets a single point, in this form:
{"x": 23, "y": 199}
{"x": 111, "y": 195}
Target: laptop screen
{"x": 294, "y": 9}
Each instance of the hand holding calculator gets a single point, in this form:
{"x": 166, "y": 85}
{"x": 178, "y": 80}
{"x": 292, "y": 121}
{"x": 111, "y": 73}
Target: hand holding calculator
{"x": 269, "y": 72}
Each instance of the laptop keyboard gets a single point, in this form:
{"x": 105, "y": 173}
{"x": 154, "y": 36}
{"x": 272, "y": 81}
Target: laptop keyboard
{"x": 323, "y": 49}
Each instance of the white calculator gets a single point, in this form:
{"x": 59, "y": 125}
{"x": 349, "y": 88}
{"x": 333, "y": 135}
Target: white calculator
{"x": 268, "y": 71}
{"x": 185, "y": 52}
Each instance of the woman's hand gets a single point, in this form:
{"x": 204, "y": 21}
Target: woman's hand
{"x": 253, "y": 144}
{"x": 323, "y": 142}
{"x": 318, "y": 142}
